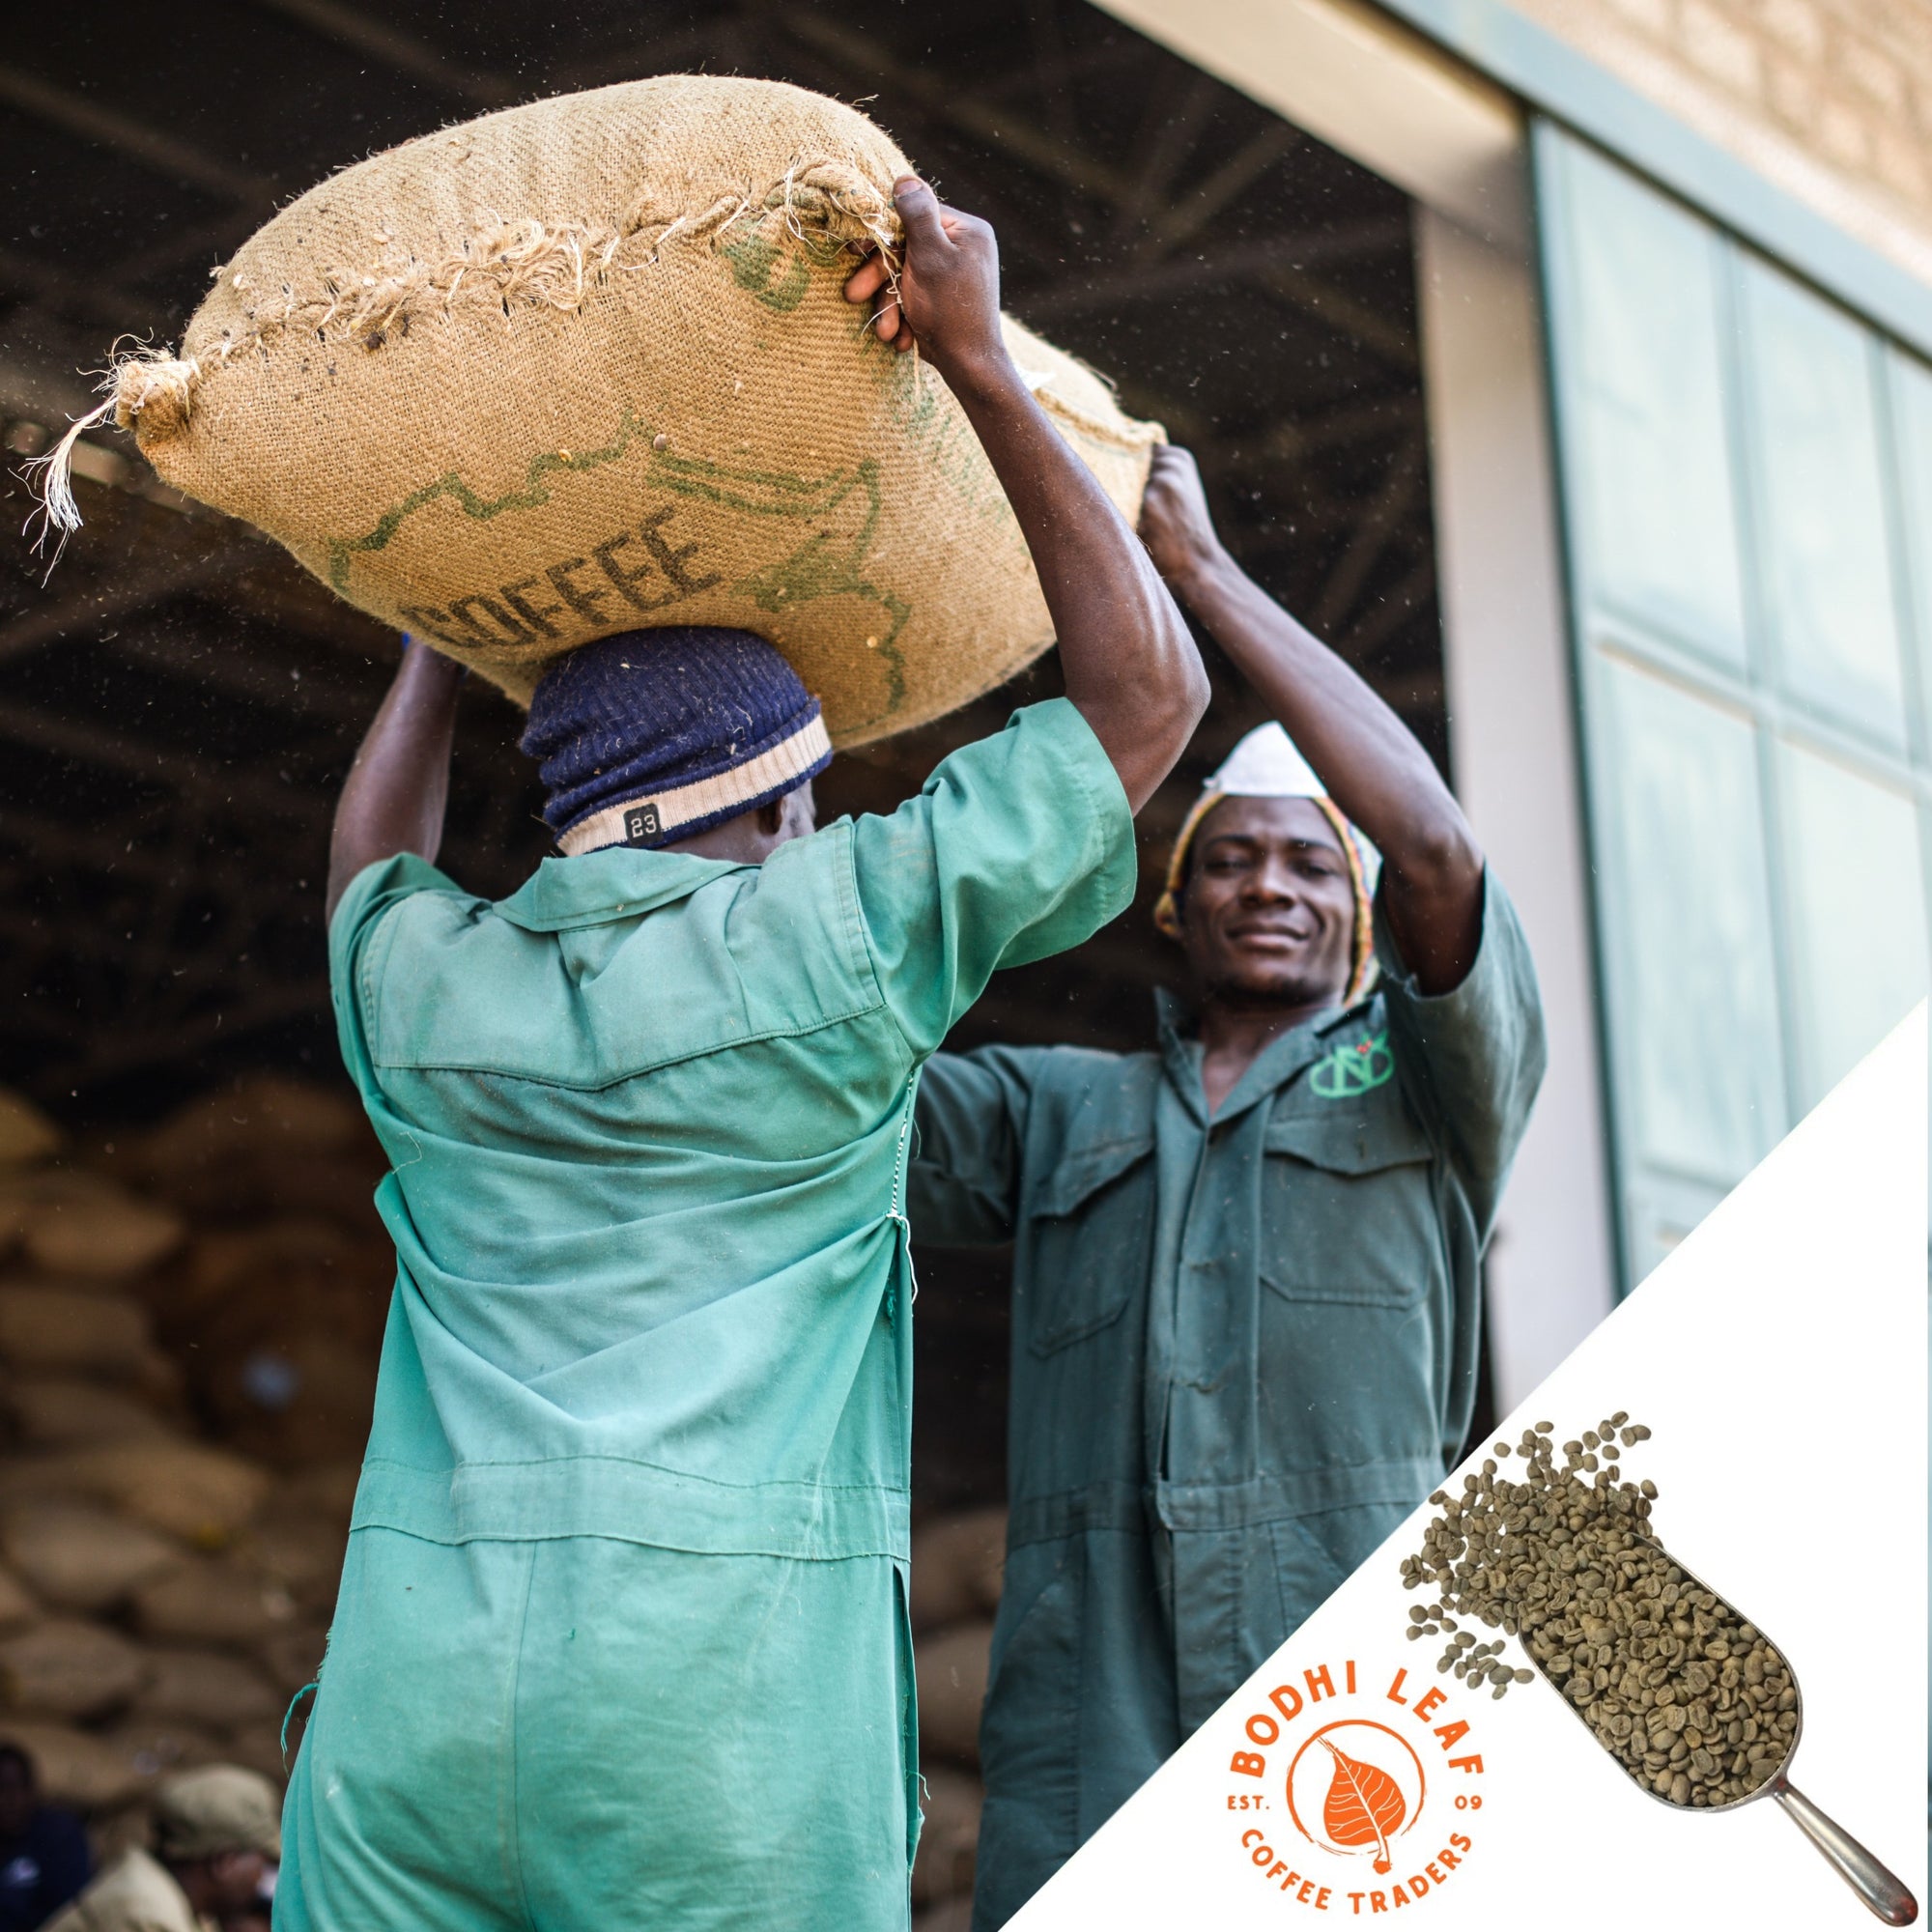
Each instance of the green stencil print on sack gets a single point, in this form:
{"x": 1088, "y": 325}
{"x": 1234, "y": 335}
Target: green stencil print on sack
{"x": 1358, "y": 1067}
{"x": 752, "y": 258}
{"x": 536, "y": 492}
{"x": 822, "y": 566}
{"x": 825, "y": 564}
{"x": 946, "y": 441}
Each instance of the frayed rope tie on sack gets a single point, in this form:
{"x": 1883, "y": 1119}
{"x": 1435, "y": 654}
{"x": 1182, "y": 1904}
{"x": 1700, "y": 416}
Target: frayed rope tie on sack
{"x": 143, "y": 380}
{"x": 544, "y": 264}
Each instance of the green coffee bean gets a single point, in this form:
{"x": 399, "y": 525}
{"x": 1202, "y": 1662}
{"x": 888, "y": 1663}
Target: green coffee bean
{"x": 1559, "y": 1556}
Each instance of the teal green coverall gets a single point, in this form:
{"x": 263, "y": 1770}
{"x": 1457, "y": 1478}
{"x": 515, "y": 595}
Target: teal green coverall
{"x": 1242, "y": 1350}
{"x": 621, "y": 1637}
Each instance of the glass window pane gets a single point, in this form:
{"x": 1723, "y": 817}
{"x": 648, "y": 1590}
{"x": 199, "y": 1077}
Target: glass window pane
{"x": 1644, "y": 426}
{"x": 1687, "y": 921}
{"x": 1661, "y": 1213}
{"x": 1828, "y": 593}
{"x": 1914, "y": 391}
{"x": 1858, "y": 911}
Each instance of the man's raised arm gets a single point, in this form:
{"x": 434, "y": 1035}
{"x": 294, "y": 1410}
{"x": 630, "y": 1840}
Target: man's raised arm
{"x": 1131, "y": 666}
{"x": 1369, "y": 759}
{"x": 395, "y": 796}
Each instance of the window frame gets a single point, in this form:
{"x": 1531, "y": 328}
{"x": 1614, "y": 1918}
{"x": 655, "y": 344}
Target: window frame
{"x": 1653, "y": 1202}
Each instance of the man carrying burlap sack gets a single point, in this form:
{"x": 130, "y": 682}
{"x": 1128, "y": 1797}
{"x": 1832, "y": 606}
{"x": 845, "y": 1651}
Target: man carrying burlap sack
{"x": 621, "y": 1638}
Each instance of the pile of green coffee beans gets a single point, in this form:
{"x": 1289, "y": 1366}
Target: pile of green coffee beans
{"x": 1685, "y": 1693}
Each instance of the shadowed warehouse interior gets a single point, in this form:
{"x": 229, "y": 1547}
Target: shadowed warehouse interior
{"x": 178, "y": 700}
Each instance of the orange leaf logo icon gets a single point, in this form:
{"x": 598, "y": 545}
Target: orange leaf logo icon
{"x": 1364, "y": 1806}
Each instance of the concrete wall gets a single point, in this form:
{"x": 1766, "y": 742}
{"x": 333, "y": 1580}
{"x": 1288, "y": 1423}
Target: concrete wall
{"x": 1506, "y": 662}
{"x": 1831, "y": 100}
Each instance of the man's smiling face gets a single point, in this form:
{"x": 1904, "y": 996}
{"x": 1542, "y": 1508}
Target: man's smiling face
{"x": 1267, "y": 914}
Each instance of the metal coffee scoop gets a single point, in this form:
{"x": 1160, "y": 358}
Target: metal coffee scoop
{"x": 1880, "y": 1890}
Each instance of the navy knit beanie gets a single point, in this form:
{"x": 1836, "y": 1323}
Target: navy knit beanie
{"x": 650, "y": 736}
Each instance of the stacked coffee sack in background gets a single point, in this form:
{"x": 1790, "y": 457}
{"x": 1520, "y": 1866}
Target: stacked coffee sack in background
{"x": 956, "y": 1562}
{"x": 190, "y": 1321}
{"x": 189, "y": 1324}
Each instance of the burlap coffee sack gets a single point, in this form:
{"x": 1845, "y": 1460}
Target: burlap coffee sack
{"x": 585, "y": 366}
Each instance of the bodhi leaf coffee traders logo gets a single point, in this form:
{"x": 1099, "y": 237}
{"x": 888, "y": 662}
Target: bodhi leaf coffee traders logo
{"x": 1362, "y": 1800}
{"x": 1347, "y": 1801}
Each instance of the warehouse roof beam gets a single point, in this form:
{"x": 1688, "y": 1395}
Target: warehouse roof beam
{"x": 136, "y": 139}
{"x": 404, "y": 52}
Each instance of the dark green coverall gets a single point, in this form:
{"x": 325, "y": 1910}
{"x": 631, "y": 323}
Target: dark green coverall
{"x": 1243, "y": 1352}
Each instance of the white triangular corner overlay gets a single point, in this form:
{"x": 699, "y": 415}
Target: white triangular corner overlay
{"x": 1780, "y": 1356}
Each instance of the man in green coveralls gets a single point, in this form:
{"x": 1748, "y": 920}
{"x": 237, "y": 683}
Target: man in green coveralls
{"x": 621, "y": 1637}
{"x": 1246, "y": 1267}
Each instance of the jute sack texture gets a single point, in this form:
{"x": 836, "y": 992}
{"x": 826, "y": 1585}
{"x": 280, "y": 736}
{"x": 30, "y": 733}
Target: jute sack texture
{"x": 587, "y": 366}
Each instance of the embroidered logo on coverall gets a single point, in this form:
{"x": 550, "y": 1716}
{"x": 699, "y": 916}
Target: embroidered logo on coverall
{"x": 1354, "y": 1069}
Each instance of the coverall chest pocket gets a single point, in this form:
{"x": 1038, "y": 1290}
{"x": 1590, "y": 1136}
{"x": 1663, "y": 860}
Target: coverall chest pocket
{"x": 1090, "y": 1227}
{"x": 1349, "y": 1209}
